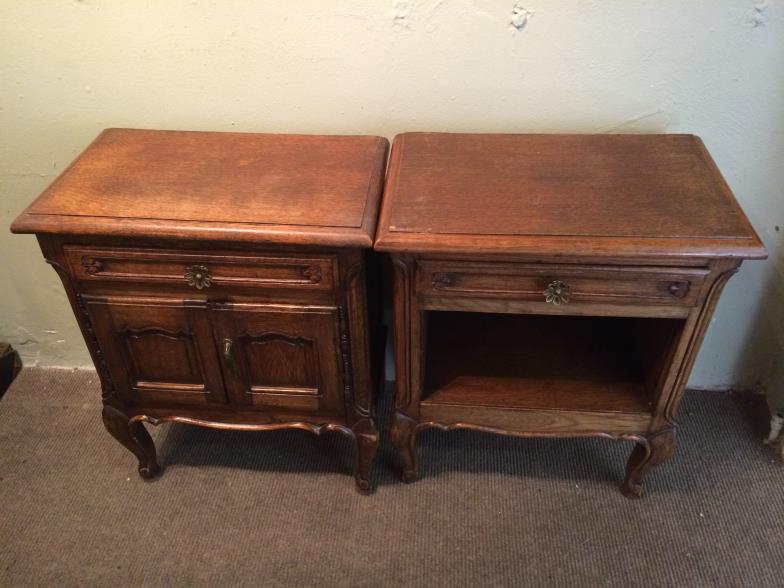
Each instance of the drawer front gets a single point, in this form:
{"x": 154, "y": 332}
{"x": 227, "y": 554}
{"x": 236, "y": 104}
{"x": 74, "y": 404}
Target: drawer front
{"x": 202, "y": 271}
{"x": 562, "y": 284}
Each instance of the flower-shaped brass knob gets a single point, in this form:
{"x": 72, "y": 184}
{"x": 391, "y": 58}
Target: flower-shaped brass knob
{"x": 557, "y": 292}
{"x": 198, "y": 276}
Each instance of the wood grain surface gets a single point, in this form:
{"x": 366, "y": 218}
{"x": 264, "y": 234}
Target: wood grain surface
{"x": 586, "y": 194}
{"x": 180, "y": 184}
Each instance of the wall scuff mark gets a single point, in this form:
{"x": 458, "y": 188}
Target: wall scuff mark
{"x": 520, "y": 17}
{"x": 758, "y": 14}
{"x": 400, "y": 15}
{"x": 650, "y": 122}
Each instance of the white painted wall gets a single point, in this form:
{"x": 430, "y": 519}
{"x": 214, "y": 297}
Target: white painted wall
{"x": 714, "y": 68}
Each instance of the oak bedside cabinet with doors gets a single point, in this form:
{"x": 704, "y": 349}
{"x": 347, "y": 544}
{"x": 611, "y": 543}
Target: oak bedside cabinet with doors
{"x": 554, "y": 285}
{"x": 223, "y": 280}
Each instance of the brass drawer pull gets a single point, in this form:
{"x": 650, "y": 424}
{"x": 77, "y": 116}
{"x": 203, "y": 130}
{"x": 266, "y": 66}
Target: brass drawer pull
{"x": 198, "y": 276}
{"x": 557, "y": 293}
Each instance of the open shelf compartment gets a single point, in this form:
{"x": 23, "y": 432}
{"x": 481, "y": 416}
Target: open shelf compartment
{"x": 532, "y": 362}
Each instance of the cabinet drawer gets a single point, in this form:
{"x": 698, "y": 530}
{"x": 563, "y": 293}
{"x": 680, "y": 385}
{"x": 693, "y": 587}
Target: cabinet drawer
{"x": 201, "y": 271}
{"x": 583, "y": 284}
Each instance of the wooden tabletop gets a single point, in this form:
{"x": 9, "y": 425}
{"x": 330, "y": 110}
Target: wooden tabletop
{"x": 605, "y": 195}
{"x": 298, "y": 189}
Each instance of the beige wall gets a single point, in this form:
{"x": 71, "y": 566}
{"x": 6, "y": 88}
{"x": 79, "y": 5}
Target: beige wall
{"x": 714, "y": 68}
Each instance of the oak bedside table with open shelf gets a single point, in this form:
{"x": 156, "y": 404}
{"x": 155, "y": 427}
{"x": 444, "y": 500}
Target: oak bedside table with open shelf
{"x": 554, "y": 285}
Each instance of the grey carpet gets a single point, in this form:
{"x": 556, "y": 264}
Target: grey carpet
{"x": 279, "y": 509}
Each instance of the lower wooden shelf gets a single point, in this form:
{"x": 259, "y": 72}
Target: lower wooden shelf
{"x": 543, "y": 394}
{"x": 524, "y": 362}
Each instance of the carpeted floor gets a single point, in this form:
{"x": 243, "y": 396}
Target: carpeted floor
{"x": 279, "y": 509}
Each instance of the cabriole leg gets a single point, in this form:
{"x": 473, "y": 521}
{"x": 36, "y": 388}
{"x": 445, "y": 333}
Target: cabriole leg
{"x": 660, "y": 447}
{"x": 366, "y": 440}
{"x": 134, "y": 437}
{"x": 403, "y": 433}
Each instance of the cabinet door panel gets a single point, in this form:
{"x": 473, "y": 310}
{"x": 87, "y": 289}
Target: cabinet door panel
{"x": 281, "y": 356}
{"x": 158, "y": 351}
